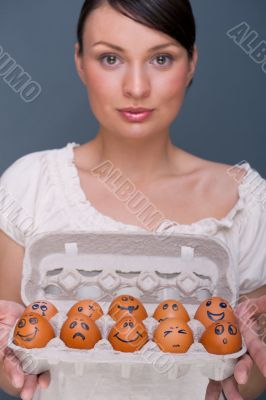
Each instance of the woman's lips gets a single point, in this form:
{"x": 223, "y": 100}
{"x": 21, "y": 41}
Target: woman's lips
{"x": 136, "y": 116}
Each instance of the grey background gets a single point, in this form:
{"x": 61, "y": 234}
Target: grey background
{"x": 223, "y": 117}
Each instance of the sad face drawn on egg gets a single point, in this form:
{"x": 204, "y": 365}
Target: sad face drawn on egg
{"x": 222, "y": 338}
{"x": 127, "y": 305}
{"x": 173, "y": 335}
{"x": 214, "y": 309}
{"x": 80, "y": 332}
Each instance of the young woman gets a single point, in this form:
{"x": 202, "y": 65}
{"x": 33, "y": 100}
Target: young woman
{"x": 136, "y": 60}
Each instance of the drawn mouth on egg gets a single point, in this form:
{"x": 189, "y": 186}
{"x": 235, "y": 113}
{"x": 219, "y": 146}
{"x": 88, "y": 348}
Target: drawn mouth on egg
{"x": 128, "y": 341}
{"x": 29, "y": 337}
{"x": 129, "y": 308}
{"x": 215, "y": 317}
{"x": 80, "y": 335}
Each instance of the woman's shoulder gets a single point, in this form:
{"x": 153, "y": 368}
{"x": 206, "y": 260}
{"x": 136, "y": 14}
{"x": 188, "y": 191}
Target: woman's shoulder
{"x": 220, "y": 182}
{"x": 25, "y": 169}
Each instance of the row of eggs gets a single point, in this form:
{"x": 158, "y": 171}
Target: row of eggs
{"x": 129, "y": 334}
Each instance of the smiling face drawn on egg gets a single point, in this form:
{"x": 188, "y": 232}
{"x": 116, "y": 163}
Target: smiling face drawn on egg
{"x": 173, "y": 335}
{"x": 88, "y": 307}
{"x": 80, "y": 332}
{"x": 32, "y": 331}
{"x": 127, "y": 305}
{"x": 42, "y": 307}
{"x": 128, "y": 335}
{"x": 222, "y": 338}
{"x": 171, "y": 309}
{"x": 214, "y": 309}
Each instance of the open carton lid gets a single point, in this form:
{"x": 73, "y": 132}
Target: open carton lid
{"x": 66, "y": 267}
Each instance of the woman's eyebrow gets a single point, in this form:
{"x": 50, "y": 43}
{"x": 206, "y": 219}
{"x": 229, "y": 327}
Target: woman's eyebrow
{"x": 113, "y": 46}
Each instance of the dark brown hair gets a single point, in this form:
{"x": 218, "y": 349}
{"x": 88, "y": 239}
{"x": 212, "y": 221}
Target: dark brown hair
{"x": 173, "y": 17}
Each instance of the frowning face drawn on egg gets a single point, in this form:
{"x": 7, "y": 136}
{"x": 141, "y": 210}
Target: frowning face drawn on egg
{"x": 128, "y": 335}
{"x": 222, "y": 338}
{"x": 214, "y": 309}
{"x": 88, "y": 307}
{"x": 127, "y": 305}
{"x": 171, "y": 309}
{"x": 83, "y": 327}
{"x": 79, "y": 331}
{"x": 32, "y": 330}
{"x": 44, "y": 308}
{"x": 173, "y": 335}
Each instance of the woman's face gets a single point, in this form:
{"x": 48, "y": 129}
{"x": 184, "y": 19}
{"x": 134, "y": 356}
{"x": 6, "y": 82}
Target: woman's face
{"x": 138, "y": 76}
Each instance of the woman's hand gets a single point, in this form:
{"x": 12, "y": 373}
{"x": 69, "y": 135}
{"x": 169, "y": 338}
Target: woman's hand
{"x": 26, "y": 384}
{"x": 252, "y": 321}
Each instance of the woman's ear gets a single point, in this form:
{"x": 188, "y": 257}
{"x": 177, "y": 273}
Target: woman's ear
{"x": 192, "y": 65}
{"x": 79, "y": 63}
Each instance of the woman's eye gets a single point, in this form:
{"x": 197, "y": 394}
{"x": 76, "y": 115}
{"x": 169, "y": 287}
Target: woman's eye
{"x": 162, "y": 57}
{"x": 110, "y": 59}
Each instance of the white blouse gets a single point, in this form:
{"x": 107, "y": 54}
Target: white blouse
{"x": 41, "y": 192}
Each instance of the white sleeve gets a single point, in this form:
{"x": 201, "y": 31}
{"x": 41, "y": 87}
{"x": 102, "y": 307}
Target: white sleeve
{"x": 252, "y": 251}
{"x": 17, "y": 193}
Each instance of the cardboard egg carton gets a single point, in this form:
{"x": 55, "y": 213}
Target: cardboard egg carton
{"x": 66, "y": 267}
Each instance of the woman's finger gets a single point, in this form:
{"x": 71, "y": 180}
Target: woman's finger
{"x": 29, "y": 387}
{"x": 255, "y": 346}
{"x": 242, "y": 369}
{"x": 230, "y": 389}
{"x": 214, "y": 389}
{"x": 13, "y": 369}
{"x": 44, "y": 379}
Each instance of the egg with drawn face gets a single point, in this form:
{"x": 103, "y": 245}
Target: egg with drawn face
{"x": 171, "y": 309}
{"x": 173, "y": 336}
{"x": 128, "y": 335}
{"x": 88, "y": 307}
{"x": 222, "y": 338}
{"x": 32, "y": 331}
{"x": 80, "y": 332}
{"x": 127, "y": 305}
{"x": 42, "y": 307}
{"x": 214, "y": 309}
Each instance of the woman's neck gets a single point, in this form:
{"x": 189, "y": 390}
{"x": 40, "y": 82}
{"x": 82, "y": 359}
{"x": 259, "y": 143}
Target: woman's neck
{"x": 140, "y": 160}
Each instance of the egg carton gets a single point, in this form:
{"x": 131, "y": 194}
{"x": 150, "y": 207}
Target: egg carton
{"x": 66, "y": 267}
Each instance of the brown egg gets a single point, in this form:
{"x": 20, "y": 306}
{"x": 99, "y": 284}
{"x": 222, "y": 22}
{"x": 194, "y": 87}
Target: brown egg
{"x": 127, "y": 305}
{"x": 222, "y": 338}
{"x": 80, "y": 332}
{"x": 214, "y": 309}
{"x": 128, "y": 335}
{"x": 32, "y": 331}
{"x": 171, "y": 309}
{"x": 173, "y": 336}
{"x": 88, "y": 307}
{"x": 42, "y": 307}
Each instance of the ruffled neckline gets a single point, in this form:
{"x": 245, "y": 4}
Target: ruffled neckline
{"x": 77, "y": 199}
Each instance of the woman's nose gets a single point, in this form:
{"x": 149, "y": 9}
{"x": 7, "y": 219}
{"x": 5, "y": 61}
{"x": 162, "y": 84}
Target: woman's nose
{"x": 136, "y": 82}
